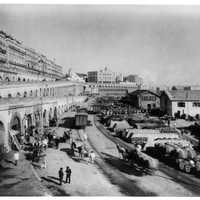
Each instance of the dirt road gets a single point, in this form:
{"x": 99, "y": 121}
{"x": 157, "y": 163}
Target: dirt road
{"x": 87, "y": 179}
{"x": 137, "y": 182}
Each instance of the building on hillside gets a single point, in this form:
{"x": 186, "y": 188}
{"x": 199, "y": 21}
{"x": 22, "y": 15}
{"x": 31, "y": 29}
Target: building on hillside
{"x": 20, "y": 63}
{"x": 102, "y": 76}
{"x": 180, "y": 101}
{"x": 92, "y": 77}
{"x": 143, "y": 99}
{"x": 106, "y": 76}
{"x": 134, "y": 78}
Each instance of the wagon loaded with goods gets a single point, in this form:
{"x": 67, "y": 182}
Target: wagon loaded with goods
{"x": 136, "y": 157}
{"x": 179, "y": 155}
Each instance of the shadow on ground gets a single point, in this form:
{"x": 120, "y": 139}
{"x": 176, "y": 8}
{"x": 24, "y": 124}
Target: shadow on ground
{"x": 72, "y": 155}
{"x": 55, "y": 187}
{"x": 124, "y": 166}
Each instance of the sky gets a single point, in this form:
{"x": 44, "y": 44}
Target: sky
{"x": 160, "y": 43}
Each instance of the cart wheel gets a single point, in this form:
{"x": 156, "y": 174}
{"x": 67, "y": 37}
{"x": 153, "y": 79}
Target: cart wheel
{"x": 181, "y": 165}
{"x": 188, "y": 169}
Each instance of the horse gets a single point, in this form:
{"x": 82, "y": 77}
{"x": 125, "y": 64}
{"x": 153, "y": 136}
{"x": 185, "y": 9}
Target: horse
{"x": 121, "y": 151}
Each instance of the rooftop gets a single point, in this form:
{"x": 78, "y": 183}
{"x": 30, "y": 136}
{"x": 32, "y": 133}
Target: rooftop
{"x": 183, "y": 95}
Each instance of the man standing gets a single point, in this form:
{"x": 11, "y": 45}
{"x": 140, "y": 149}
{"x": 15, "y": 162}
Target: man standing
{"x": 68, "y": 175}
{"x": 61, "y": 174}
{"x": 16, "y": 157}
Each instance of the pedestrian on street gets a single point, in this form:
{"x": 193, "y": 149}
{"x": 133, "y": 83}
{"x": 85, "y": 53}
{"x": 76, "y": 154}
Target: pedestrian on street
{"x": 16, "y": 157}
{"x": 57, "y": 143}
{"x": 61, "y": 174}
{"x": 73, "y": 145}
{"x": 68, "y": 175}
{"x": 92, "y": 157}
{"x": 80, "y": 151}
{"x": 85, "y": 137}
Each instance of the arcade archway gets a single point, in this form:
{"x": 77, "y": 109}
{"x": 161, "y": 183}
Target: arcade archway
{"x": 2, "y": 137}
{"x": 15, "y": 123}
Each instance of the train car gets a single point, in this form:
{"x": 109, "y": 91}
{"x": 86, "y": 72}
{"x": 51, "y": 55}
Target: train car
{"x": 81, "y": 119}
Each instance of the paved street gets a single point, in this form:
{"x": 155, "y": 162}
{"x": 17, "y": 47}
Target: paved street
{"x": 87, "y": 180}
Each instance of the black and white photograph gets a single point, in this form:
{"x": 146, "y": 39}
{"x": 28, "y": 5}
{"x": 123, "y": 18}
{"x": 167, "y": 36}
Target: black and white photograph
{"x": 99, "y": 100}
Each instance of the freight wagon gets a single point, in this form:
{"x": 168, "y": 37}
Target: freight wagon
{"x": 81, "y": 120}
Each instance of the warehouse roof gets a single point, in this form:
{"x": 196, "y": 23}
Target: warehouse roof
{"x": 137, "y": 92}
{"x": 183, "y": 95}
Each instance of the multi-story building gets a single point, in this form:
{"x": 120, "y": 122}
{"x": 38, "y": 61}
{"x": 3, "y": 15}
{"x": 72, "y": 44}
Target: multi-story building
{"x": 19, "y": 63}
{"x": 28, "y": 105}
{"x": 106, "y": 76}
{"x": 102, "y": 76}
{"x": 92, "y": 77}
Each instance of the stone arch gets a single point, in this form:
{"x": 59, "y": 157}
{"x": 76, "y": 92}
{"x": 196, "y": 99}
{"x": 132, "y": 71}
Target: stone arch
{"x": 55, "y": 113}
{"x": 2, "y": 137}
{"x": 9, "y": 95}
{"x": 50, "y": 114}
{"x": 44, "y": 92}
{"x": 19, "y": 79}
{"x": 50, "y": 91}
{"x": 7, "y": 79}
{"x": 47, "y": 91}
{"x": 24, "y": 80}
{"x": 29, "y": 121}
{"x": 16, "y": 122}
{"x": 31, "y": 93}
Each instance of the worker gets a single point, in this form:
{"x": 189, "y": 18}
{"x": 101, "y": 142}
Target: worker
{"x": 68, "y": 175}
{"x": 92, "y": 157}
{"x": 16, "y": 157}
{"x": 138, "y": 147}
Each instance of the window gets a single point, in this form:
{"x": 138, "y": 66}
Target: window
{"x": 196, "y": 104}
{"x": 181, "y": 104}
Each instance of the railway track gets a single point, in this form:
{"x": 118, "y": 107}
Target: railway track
{"x": 188, "y": 181}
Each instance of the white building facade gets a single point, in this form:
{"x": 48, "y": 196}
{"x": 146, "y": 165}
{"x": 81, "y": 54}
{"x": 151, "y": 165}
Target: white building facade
{"x": 183, "y": 101}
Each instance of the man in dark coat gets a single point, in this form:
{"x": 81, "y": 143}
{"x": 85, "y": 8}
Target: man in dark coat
{"x": 61, "y": 174}
{"x": 68, "y": 175}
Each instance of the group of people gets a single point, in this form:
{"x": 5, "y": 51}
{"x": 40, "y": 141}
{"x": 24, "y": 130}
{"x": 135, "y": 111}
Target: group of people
{"x": 82, "y": 151}
{"x": 68, "y": 172}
